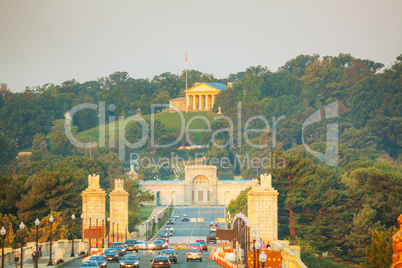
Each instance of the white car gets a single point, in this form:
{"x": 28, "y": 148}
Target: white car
{"x": 141, "y": 245}
{"x": 169, "y": 228}
{"x": 213, "y": 228}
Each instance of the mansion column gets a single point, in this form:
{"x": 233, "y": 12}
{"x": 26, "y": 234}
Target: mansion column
{"x": 206, "y": 102}
{"x": 213, "y": 101}
{"x": 194, "y": 106}
{"x": 201, "y": 103}
{"x": 187, "y": 102}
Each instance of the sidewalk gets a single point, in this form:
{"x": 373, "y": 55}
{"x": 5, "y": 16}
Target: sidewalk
{"x": 44, "y": 260}
{"x": 142, "y": 227}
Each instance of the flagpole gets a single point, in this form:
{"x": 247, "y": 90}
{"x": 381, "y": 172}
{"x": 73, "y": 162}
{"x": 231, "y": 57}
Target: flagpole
{"x": 185, "y": 94}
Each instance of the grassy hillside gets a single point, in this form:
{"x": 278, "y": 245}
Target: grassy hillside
{"x": 172, "y": 122}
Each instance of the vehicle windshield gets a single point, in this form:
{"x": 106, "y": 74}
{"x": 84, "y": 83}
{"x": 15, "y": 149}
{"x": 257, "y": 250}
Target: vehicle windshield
{"x": 193, "y": 250}
{"x": 129, "y": 258}
{"x": 110, "y": 251}
{"x": 161, "y": 258}
{"x": 140, "y": 242}
{"x": 117, "y": 245}
{"x": 159, "y": 242}
{"x": 131, "y": 241}
{"x": 167, "y": 251}
{"x": 195, "y": 245}
{"x": 97, "y": 258}
{"x": 201, "y": 242}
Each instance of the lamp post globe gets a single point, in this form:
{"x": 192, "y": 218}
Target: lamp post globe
{"x": 257, "y": 245}
{"x": 263, "y": 258}
{"x": 3, "y": 236}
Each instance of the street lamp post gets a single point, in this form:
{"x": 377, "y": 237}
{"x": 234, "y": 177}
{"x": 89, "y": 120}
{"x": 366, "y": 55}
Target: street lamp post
{"x": 72, "y": 239}
{"x": 51, "y": 219}
{"x": 3, "y": 235}
{"x": 108, "y": 241}
{"x": 97, "y": 236}
{"x": 263, "y": 258}
{"x": 146, "y": 230}
{"x": 126, "y": 232}
{"x": 82, "y": 225}
{"x": 90, "y": 220}
{"x": 254, "y": 238}
{"x": 257, "y": 247}
{"x": 37, "y": 222}
{"x": 22, "y": 226}
{"x": 117, "y": 231}
{"x": 103, "y": 228}
{"x": 113, "y": 230}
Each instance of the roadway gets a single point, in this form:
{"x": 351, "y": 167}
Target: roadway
{"x": 183, "y": 233}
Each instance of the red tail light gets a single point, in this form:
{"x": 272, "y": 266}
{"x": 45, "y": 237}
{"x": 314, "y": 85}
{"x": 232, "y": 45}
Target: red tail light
{"x": 153, "y": 263}
{"x": 168, "y": 262}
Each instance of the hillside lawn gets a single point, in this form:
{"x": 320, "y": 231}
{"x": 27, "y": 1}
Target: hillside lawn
{"x": 172, "y": 122}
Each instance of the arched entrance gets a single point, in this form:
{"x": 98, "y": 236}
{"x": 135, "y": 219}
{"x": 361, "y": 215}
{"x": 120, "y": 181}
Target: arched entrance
{"x": 158, "y": 198}
{"x": 227, "y": 198}
{"x": 200, "y": 194}
{"x": 173, "y": 196}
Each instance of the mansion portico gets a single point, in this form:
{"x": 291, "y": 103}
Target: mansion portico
{"x": 200, "y": 97}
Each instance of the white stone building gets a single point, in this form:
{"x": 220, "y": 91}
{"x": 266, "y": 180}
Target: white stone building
{"x": 200, "y": 187}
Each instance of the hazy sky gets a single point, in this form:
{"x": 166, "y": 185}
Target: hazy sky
{"x": 58, "y": 40}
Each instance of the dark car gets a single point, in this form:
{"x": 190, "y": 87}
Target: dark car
{"x": 130, "y": 261}
{"x": 170, "y": 254}
{"x": 131, "y": 245}
{"x": 168, "y": 233}
{"x": 211, "y": 237}
{"x": 162, "y": 235}
{"x": 184, "y": 218}
{"x": 159, "y": 244}
{"x": 161, "y": 262}
{"x": 100, "y": 260}
{"x": 111, "y": 254}
{"x": 169, "y": 228}
{"x": 171, "y": 220}
{"x": 119, "y": 246}
{"x": 176, "y": 216}
{"x": 203, "y": 244}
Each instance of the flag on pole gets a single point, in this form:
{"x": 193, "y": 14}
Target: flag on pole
{"x": 186, "y": 54}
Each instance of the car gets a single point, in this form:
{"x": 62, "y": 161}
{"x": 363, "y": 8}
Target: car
{"x": 161, "y": 262}
{"x": 148, "y": 245}
{"x": 120, "y": 247}
{"x": 111, "y": 254}
{"x": 170, "y": 254}
{"x": 176, "y": 216}
{"x": 131, "y": 245}
{"x": 184, "y": 218}
{"x": 194, "y": 254}
{"x": 100, "y": 260}
{"x": 203, "y": 244}
{"x": 195, "y": 245}
{"x": 141, "y": 245}
{"x": 162, "y": 235}
{"x": 159, "y": 244}
{"x": 89, "y": 264}
{"x": 212, "y": 223}
{"x": 211, "y": 237}
{"x": 168, "y": 233}
{"x": 169, "y": 228}
{"x": 130, "y": 261}
{"x": 213, "y": 228}
{"x": 170, "y": 221}
{"x": 165, "y": 240}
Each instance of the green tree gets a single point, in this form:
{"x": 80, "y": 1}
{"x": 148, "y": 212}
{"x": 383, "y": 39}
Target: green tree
{"x": 239, "y": 204}
{"x": 379, "y": 252}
